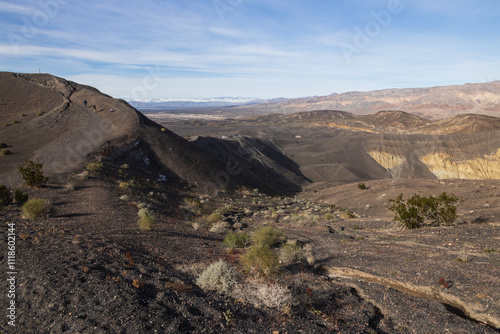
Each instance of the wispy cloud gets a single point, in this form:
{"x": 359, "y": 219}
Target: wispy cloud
{"x": 261, "y": 48}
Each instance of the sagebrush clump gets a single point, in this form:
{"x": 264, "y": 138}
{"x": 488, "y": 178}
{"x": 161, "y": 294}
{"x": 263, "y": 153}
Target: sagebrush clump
{"x": 37, "y": 208}
{"x": 146, "y": 220}
{"x": 219, "y": 276}
{"x": 32, "y": 173}
{"x": 418, "y": 211}
{"x": 5, "y": 152}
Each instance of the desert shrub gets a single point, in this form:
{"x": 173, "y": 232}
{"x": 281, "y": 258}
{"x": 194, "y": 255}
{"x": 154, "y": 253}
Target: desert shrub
{"x": 5, "y": 152}
{"x": 272, "y": 295}
{"x": 417, "y": 211}
{"x": 146, "y": 220}
{"x": 362, "y": 186}
{"x": 123, "y": 185}
{"x": 218, "y": 276}
{"x": 20, "y": 197}
{"x": 262, "y": 260}
{"x": 268, "y": 236}
{"x": 94, "y": 166}
{"x": 40, "y": 113}
{"x": 15, "y": 121}
{"x": 236, "y": 240}
{"x": 125, "y": 166}
{"x": 213, "y": 218}
{"x": 290, "y": 253}
{"x": 32, "y": 173}
{"x": 5, "y": 195}
{"x": 23, "y": 115}
{"x": 328, "y": 216}
{"x": 37, "y": 208}
{"x": 2, "y": 144}
{"x": 125, "y": 198}
{"x": 346, "y": 214}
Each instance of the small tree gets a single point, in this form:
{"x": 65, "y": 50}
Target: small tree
{"x": 32, "y": 173}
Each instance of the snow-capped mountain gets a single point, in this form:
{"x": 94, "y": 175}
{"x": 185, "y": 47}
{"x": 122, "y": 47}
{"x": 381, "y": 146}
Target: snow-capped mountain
{"x": 179, "y": 103}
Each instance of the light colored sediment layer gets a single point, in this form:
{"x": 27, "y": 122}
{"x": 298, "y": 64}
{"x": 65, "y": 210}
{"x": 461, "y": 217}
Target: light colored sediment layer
{"x": 444, "y": 166}
{"x": 386, "y": 159}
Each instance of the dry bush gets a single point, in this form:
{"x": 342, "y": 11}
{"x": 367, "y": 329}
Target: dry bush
{"x": 219, "y": 276}
{"x": 262, "y": 294}
{"x": 290, "y": 253}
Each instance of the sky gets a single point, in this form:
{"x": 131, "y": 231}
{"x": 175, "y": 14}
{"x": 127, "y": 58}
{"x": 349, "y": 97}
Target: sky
{"x": 252, "y": 48}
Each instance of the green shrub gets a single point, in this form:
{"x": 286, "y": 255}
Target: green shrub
{"x": 23, "y": 115}
{"x": 5, "y": 195}
{"x": 362, "y": 186}
{"x": 20, "y": 197}
{"x": 15, "y": 121}
{"x": 417, "y": 211}
{"x": 219, "y": 276}
{"x": 40, "y": 113}
{"x": 37, "y": 208}
{"x": 2, "y": 144}
{"x": 94, "y": 166}
{"x": 5, "y": 152}
{"x": 268, "y": 236}
{"x": 32, "y": 173}
{"x": 236, "y": 240}
{"x": 123, "y": 185}
{"x": 146, "y": 220}
{"x": 262, "y": 260}
{"x": 6, "y": 124}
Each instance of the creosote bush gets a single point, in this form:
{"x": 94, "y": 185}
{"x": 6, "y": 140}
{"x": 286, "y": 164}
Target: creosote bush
{"x": 32, "y": 173}
{"x": 262, "y": 260}
{"x": 219, "y": 276}
{"x": 418, "y": 211}
{"x": 5, "y": 195}
{"x": 236, "y": 240}
{"x": 362, "y": 186}
{"x": 3, "y": 145}
{"x": 20, "y": 197}
{"x": 268, "y": 236}
{"x": 37, "y": 208}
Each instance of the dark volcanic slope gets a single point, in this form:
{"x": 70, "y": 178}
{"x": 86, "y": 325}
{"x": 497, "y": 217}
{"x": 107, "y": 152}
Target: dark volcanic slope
{"x": 46, "y": 117}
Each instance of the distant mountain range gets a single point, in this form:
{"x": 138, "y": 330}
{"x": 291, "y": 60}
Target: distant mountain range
{"x": 172, "y": 103}
{"x": 431, "y": 103}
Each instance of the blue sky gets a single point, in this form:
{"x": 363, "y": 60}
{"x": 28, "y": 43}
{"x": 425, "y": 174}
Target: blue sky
{"x": 252, "y": 48}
